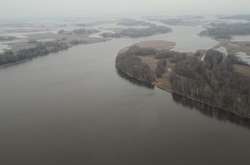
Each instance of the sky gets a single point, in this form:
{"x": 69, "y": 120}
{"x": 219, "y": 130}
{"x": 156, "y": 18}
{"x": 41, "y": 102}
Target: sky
{"x": 81, "y": 8}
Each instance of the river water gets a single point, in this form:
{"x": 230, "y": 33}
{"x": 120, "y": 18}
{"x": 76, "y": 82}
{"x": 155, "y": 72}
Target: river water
{"x": 72, "y": 108}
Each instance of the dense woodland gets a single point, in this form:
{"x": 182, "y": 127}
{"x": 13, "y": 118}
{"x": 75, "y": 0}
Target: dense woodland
{"x": 212, "y": 112}
{"x": 213, "y": 81}
{"x": 129, "y": 63}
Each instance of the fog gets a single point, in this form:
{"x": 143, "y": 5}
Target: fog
{"x": 45, "y": 8}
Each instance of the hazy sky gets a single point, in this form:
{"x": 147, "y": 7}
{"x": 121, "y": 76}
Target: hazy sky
{"x": 44, "y": 8}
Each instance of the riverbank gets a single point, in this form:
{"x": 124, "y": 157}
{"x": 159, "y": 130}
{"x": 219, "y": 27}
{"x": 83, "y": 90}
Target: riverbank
{"x": 208, "y": 77}
{"x": 36, "y": 49}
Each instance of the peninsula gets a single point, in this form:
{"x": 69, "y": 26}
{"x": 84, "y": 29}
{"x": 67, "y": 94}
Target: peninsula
{"x": 209, "y": 77}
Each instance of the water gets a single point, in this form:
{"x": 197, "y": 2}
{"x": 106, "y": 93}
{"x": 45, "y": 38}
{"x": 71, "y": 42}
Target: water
{"x": 73, "y": 108}
{"x": 3, "y": 47}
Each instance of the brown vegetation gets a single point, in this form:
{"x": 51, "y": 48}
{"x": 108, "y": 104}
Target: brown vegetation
{"x": 217, "y": 80}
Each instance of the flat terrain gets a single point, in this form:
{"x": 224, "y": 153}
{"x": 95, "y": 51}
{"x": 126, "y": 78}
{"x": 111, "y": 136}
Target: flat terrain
{"x": 157, "y": 44}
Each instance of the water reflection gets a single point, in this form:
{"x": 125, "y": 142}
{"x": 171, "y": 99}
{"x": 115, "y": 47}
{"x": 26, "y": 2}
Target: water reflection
{"x": 212, "y": 112}
{"x": 133, "y": 81}
{"x": 204, "y": 109}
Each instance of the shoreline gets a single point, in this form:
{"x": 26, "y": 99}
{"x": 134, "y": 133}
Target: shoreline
{"x": 145, "y": 72}
{"x": 169, "y": 90}
{"x": 26, "y": 56}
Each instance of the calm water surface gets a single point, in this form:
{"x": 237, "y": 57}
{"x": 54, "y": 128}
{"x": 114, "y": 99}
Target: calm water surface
{"x": 72, "y": 108}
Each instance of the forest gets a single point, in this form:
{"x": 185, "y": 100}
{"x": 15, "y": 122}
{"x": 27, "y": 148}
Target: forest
{"x": 208, "y": 77}
{"x": 213, "y": 82}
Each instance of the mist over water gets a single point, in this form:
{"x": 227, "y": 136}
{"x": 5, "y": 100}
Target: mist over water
{"x": 73, "y": 108}
{"x": 128, "y": 8}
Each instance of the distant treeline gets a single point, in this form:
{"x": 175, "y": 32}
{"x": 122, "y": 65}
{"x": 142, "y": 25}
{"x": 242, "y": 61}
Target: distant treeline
{"x": 237, "y": 17}
{"x": 138, "y": 32}
{"x": 226, "y": 31}
{"x": 40, "y": 49}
